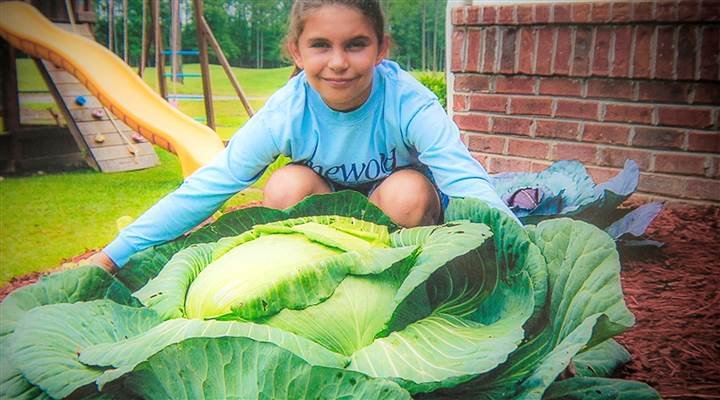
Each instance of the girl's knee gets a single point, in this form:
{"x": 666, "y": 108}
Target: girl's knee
{"x": 290, "y": 184}
{"x": 409, "y": 198}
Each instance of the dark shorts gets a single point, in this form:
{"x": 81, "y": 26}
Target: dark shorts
{"x": 366, "y": 188}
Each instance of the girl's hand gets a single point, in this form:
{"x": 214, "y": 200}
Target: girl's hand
{"x": 101, "y": 259}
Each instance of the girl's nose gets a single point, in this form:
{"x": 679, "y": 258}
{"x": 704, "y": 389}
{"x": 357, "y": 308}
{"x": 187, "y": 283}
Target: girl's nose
{"x": 338, "y": 61}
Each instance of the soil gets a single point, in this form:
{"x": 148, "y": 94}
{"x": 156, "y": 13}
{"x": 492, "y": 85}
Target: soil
{"x": 674, "y": 293}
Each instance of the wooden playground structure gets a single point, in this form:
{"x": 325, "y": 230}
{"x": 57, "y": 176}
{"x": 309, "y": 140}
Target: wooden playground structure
{"x": 92, "y": 134}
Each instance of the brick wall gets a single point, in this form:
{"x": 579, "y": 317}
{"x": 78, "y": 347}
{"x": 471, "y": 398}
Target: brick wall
{"x": 595, "y": 81}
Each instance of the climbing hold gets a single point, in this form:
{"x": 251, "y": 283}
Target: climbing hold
{"x": 99, "y": 138}
{"x": 98, "y": 114}
{"x": 138, "y": 138}
{"x": 80, "y": 100}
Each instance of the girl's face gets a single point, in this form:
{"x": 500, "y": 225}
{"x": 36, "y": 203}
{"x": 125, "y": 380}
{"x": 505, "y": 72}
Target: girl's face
{"x": 338, "y": 49}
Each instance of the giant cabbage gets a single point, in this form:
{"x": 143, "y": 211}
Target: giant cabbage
{"x": 330, "y": 299}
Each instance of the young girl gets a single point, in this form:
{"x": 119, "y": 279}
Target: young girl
{"x": 349, "y": 119}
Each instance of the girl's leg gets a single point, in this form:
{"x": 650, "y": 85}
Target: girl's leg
{"x": 290, "y": 184}
{"x": 408, "y": 198}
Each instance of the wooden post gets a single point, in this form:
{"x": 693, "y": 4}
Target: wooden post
{"x": 10, "y": 102}
{"x": 145, "y": 38}
{"x": 159, "y": 55}
{"x": 226, "y": 66}
{"x": 204, "y": 65}
{"x": 111, "y": 25}
{"x": 125, "y": 31}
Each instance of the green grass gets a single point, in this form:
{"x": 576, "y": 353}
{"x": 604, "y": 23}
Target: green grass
{"x": 46, "y": 219}
{"x": 254, "y": 82}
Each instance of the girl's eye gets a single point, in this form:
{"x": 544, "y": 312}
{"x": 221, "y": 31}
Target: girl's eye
{"x": 319, "y": 45}
{"x": 357, "y": 45}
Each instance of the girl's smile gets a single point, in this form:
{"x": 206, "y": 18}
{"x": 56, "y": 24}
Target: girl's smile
{"x": 338, "y": 49}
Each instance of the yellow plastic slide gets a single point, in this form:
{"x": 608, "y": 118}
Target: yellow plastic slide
{"x": 112, "y": 81}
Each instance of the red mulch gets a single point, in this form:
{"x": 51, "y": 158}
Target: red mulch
{"x": 675, "y": 296}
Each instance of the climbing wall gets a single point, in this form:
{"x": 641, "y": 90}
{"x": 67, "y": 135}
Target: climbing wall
{"x": 107, "y": 143}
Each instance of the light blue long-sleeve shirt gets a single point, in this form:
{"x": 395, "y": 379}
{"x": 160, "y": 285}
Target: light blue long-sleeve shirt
{"x": 401, "y": 124}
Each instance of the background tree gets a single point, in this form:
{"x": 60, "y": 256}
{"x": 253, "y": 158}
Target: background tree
{"x": 251, "y": 32}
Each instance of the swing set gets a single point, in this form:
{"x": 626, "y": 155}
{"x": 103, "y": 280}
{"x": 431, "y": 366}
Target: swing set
{"x": 205, "y": 36}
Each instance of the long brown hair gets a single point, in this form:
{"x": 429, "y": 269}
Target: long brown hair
{"x": 301, "y": 9}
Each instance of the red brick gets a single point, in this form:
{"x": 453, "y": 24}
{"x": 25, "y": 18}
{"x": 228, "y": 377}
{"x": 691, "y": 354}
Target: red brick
{"x": 489, "y": 49}
{"x": 473, "y": 15}
{"x": 481, "y": 158}
{"x": 716, "y": 167}
{"x": 472, "y": 83}
{"x": 623, "y": 46}
{"x": 659, "y": 138}
{"x": 508, "y": 52}
{"x": 606, "y": 133}
{"x": 580, "y": 12}
{"x": 692, "y": 117}
{"x": 507, "y": 164}
{"x": 581, "y": 55}
{"x": 621, "y": 12}
{"x": 709, "y": 53}
{"x": 665, "y": 52}
{"x": 506, "y": 15}
{"x": 472, "y": 56}
{"x": 528, "y": 148}
{"x": 587, "y": 110}
{"x": 563, "y": 48}
{"x": 601, "y": 12}
{"x": 458, "y": 50}
{"x": 472, "y": 122}
{"x": 600, "y": 175}
{"x": 562, "y": 13}
{"x": 514, "y": 84}
{"x": 489, "y": 14}
{"x": 526, "y": 50}
{"x": 542, "y": 13}
{"x": 610, "y": 89}
{"x": 676, "y": 163}
{"x": 707, "y": 92}
{"x": 665, "y": 11}
{"x": 628, "y": 113}
{"x": 525, "y": 13}
{"x": 616, "y": 157}
{"x": 557, "y": 129}
{"x": 659, "y": 91}
{"x": 643, "y": 11}
{"x": 531, "y": 105}
{"x": 488, "y": 102}
{"x": 460, "y": 103}
{"x": 687, "y": 42}
{"x": 486, "y": 143}
{"x": 458, "y": 16}
{"x": 537, "y": 166}
{"x": 710, "y": 11}
{"x": 601, "y": 59}
{"x": 561, "y": 86}
{"x": 708, "y": 142}
{"x": 643, "y": 51}
{"x": 586, "y": 153}
{"x": 703, "y": 189}
{"x": 518, "y": 126}
{"x": 543, "y": 61}
{"x": 662, "y": 184}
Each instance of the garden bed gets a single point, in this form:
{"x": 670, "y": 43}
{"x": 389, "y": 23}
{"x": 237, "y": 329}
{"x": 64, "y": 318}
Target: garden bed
{"x": 675, "y": 296}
